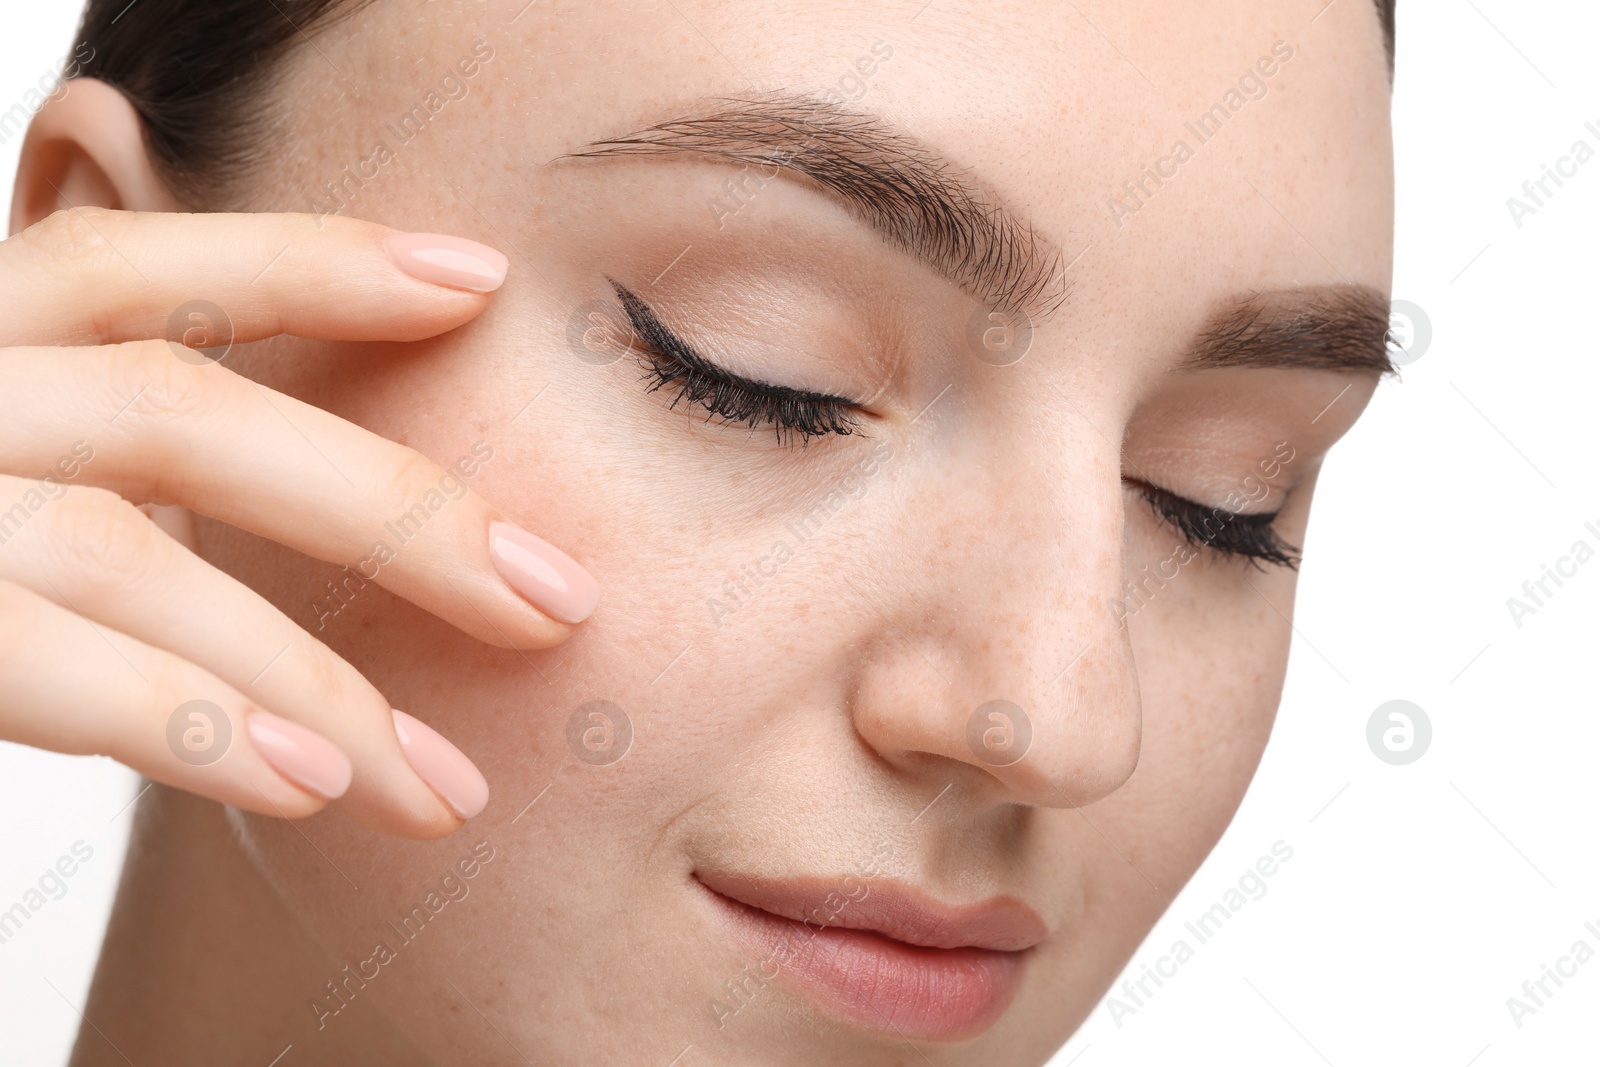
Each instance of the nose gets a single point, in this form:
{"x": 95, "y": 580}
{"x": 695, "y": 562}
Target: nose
{"x": 995, "y": 646}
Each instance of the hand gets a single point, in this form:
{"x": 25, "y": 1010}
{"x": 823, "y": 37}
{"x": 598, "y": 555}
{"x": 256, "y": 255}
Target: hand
{"x": 110, "y": 628}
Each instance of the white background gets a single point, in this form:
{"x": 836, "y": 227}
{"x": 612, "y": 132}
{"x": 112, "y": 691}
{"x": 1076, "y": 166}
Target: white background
{"x": 1419, "y": 897}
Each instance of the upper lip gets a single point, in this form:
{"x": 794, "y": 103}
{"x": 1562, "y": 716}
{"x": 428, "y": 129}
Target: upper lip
{"x": 890, "y": 908}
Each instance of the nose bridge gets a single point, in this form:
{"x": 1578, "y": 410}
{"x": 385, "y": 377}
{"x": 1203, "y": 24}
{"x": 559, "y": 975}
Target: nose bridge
{"x": 1009, "y": 565}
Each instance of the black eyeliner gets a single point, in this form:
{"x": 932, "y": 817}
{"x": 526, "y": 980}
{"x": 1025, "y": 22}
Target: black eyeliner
{"x": 671, "y": 361}
{"x": 1243, "y": 535}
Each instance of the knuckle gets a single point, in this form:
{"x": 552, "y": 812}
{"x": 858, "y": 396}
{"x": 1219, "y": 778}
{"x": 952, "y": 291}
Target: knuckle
{"x": 337, "y": 227}
{"x": 162, "y": 387}
{"x": 71, "y": 239}
{"x": 331, "y": 682}
{"x": 102, "y": 541}
{"x": 402, "y": 482}
{"x": 172, "y": 683}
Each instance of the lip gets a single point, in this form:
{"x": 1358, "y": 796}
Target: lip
{"x": 883, "y": 954}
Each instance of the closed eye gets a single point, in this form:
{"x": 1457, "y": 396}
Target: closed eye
{"x": 1229, "y": 533}
{"x": 670, "y": 362}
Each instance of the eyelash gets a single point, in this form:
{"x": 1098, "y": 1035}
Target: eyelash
{"x": 670, "y": 362}
{"x": 1228, "y": 533}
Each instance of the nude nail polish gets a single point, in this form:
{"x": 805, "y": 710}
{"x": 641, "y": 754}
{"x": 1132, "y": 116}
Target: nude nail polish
{"x": 442, "y": 765}
{"x": 543, "y": 574}
{"x": 445, "y": 260}
{"x": 307, "y": 759}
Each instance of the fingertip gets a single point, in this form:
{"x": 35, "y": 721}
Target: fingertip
{"x": 443, "y": 259}
{"x": 303, "y": 756}
{"x": 542, "y": 574}
{"x": 443, "y": 766}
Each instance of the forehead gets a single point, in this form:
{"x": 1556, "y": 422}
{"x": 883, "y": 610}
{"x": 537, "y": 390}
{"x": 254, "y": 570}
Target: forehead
{"x": 1227, "y": 145}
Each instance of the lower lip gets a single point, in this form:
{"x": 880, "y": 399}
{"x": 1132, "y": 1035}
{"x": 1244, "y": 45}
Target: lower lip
{"x": 940, "y": 994}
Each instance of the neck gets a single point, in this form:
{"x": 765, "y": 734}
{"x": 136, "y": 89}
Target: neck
{"x": 202, "y": 963}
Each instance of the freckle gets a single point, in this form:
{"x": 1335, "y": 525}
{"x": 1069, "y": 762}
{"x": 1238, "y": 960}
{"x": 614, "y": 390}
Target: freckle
{"x": 802, "y": 610}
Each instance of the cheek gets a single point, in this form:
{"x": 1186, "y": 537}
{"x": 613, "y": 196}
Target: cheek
{"x": 1210, "y": 681}
{"x": 1212, "y": 647}
{"x": 1211, "y": 654}
{"x": 603, "y": 739}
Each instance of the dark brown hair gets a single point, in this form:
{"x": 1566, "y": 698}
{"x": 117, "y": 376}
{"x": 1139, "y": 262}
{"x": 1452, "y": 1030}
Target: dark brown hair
{"x": 197, "y": 71}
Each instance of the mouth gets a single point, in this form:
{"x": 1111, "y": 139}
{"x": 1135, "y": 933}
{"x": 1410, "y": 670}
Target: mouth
{"x": 881, "y": 954}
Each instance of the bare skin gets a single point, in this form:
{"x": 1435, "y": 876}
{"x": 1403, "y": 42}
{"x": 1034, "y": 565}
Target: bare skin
{"x": 790, "y": 710}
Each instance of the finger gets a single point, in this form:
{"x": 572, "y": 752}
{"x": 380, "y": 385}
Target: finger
{"x": 69, "y": 687}
{"x": 100, "y": 557}
{"x": 135, "y": 419}
{"x": 97, "y": 276}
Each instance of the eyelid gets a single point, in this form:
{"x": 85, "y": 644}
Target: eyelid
{"x": 685, "y": 353}
{"x": 1150, "y": 487}
{"x": 1246, "y": 535}
{"x": 732, "y": 397}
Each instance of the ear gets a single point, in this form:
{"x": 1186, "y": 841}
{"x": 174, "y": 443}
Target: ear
{"x": 85, "y": 147}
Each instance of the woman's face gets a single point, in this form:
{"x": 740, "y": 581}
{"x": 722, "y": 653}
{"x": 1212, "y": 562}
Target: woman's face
{"x": 950, "y": 677}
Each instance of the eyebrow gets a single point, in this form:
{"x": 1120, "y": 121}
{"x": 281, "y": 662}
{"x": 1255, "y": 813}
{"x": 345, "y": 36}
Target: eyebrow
{"x": 893, "y": 182}
{"x": 1333, "y": 327}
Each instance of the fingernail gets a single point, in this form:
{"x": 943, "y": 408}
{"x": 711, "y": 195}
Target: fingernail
{"x": 442, "y": 765}
{"x": 546, "y": 576}
{"x": 307, "y": 759}
{"x": 445, "y": 260}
